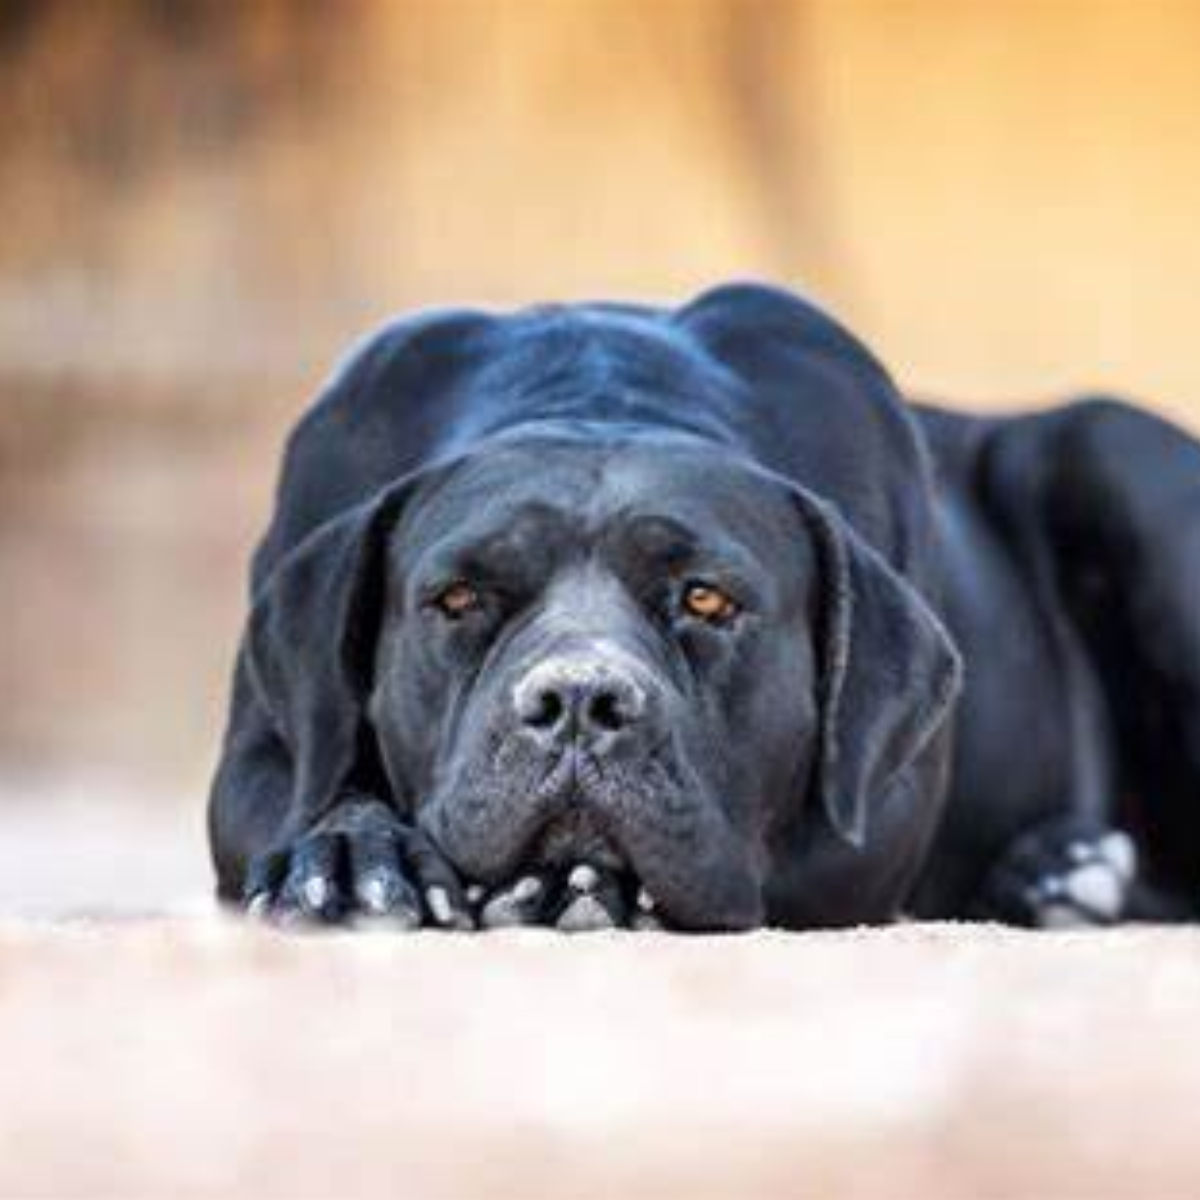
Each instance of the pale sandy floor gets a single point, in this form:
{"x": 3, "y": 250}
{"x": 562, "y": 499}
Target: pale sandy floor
{"x": 193, "y": 1057}
{"x": 189, "y": 1055}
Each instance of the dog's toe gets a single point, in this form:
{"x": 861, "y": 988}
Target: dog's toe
{"x": 311, "y": 889}
{"x": 385, "y": 897}
{"x": 1120, "y": 852}
{"x": 380, "y": 890}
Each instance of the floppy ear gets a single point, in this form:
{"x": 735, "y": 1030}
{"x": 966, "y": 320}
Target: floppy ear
{"x": 889, "y": 671}
{"x": 311, "y": 639}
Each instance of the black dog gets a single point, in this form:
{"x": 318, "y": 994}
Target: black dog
{"x": 605, "y": 614}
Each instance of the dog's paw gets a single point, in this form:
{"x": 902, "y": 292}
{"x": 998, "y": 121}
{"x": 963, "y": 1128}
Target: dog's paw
{"x": 581, "y": 899}
{"x": 359, "y": 865}
{"x": 1060, "y": 877}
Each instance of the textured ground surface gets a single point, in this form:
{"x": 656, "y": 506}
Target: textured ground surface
{"x": 191, "y": 1055}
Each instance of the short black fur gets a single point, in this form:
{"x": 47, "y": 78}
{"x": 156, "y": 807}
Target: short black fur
{"x": 961, "y": 650}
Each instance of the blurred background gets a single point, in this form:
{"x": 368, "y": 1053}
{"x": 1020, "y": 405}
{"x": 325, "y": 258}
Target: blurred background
{"x": 202, "y": 202}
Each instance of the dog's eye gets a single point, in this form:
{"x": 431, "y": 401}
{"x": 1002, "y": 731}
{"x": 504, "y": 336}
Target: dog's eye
{"x": 709, "y": 603}
{"x": 456, "y": 600}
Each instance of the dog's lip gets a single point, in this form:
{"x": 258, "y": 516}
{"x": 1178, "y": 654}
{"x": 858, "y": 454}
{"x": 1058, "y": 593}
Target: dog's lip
{"x": 572, "y": 835}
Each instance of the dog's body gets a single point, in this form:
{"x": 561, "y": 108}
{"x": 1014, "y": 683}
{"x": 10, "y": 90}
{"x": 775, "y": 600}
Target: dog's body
{"x": 1070, "y": 556}
{"x": 676, "y": 594}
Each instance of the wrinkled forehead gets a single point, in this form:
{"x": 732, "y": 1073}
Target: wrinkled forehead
{"x": 526, "y": 499}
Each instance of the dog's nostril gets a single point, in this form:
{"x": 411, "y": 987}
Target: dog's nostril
{"x": 606, "y": 711}
{"x": 579, "y": 704}
{"x": 546, "y": 711}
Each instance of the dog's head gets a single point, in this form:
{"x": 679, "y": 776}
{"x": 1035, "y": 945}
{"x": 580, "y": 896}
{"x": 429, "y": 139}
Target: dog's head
{"x": 643, "y": 651}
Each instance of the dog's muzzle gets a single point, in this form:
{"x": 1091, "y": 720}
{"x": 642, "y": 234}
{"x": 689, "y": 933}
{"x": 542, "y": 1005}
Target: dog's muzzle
{"x": 584, "y": 769}
{"x": 582, "y": 711}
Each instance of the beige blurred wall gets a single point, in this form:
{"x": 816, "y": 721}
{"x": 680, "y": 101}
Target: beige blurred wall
{"x": 1001, "y": 195}
{"x": 200, "y": 203}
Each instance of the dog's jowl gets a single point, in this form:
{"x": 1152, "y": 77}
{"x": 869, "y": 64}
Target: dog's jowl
{"x": 604, "y": 615}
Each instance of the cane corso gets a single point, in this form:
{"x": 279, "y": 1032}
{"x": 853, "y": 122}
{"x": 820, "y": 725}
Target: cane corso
{"x": 616, "y": 615}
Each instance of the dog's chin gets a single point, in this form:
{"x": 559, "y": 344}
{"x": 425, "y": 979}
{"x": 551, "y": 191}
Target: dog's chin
{"x": 508, "y": 812}
{"x": 645, "y": 821}
{"x": 576, "y": 837}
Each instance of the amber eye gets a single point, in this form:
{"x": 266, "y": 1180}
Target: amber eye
{"x": 456, "y": 600}
{"x": 709, "y": 603}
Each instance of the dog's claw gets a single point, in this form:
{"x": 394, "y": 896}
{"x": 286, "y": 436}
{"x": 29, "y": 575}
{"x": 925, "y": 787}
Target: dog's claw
{"x": 317, "y": 892}
{"x": 516, "y": 906}
{"x": 373, "y": 893}
{"x": 646, "y": 918}
{"x": 445, "y": 911}
{"x": 438, "y": 900}
{"x": 583, "y": 878}
{"x": 382, "y": 892}
{"x": 528, "y": 888}
{"x": 1120, "y": 852}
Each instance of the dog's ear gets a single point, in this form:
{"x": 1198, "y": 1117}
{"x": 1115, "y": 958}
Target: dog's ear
{"x": 310, "y": 643}
{"x": 889, "y": 671}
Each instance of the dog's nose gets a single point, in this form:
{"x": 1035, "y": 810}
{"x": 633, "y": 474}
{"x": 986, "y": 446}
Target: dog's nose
{"x": 577, "y": 698}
